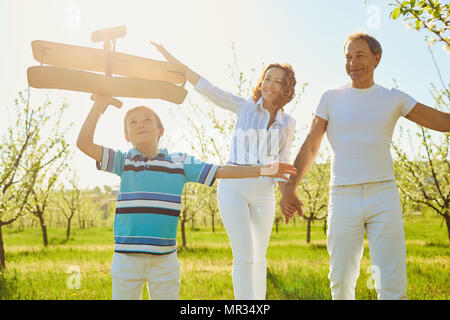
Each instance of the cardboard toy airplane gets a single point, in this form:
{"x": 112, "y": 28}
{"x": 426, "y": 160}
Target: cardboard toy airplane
{"x": 139, "y": 77}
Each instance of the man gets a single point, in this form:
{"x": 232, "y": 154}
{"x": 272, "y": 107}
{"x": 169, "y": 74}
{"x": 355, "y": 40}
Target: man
{"x": 359, "y": 120}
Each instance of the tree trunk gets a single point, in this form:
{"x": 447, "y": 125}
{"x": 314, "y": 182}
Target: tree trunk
{"x": 212, "y": 220}
{"x": 308, "y": 231}
{"x": 447, "y": 221}
{"x": 68, "y": 229}
{"x": 325, "y": 227}
{"x": 183, "y": 235}
{"x": 44, "y": 230}
{"x": 2, "y": 251}
{"x": 276, "y": 226}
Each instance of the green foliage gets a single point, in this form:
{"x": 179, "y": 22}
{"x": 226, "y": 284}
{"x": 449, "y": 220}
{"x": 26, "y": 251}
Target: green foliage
{"x": 31, "y": 162}
{"x": 425, "y": 179}
{"x": 431, "y": 15}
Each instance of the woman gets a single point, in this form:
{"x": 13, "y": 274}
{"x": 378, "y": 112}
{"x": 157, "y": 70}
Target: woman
{"x": 262, "y": 134}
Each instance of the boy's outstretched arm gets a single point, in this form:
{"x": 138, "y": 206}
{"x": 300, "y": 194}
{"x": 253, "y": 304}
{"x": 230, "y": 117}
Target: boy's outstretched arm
{"x": 85, "y": 140}
{"x": 275, "y": 170}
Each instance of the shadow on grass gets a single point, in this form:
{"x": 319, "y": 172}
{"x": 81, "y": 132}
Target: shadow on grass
{"x": 299, "y": 284}
{"x": 438, "y": 244}
{"x": 201, "y": 252}
{"x": 29, "y": 253}
{"x": 8, "y": 284}
{"x": 60, "y": 240}
{"x": 319, "y": 246}
{"x": 287, "y": 291}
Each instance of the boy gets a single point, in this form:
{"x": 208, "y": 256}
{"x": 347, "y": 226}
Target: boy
{"x": 149, "y": 200}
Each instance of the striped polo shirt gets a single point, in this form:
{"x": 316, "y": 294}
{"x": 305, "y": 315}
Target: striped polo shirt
{"x": 149, "y": 200}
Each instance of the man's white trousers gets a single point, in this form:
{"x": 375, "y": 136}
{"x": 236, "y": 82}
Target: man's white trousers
{"x": 375, "y": 207}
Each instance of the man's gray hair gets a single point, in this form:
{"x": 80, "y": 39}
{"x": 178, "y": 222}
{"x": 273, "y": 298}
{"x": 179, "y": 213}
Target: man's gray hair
{"x": 374, "y": 45}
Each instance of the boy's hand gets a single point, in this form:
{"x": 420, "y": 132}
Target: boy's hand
{"x": 278, "y": 170}
{"x": 101, "y": 101}
{"x": 116, "y": 103}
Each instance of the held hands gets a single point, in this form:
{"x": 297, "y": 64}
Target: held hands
{"x": 290, "y": 203}
{"x": 278, "y": 170}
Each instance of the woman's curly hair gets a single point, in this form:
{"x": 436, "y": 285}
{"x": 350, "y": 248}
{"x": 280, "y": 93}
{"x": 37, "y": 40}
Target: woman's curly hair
{"x": 288, "y": 91}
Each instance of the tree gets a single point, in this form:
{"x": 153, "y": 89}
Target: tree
{"x": 278, "y": 213}
{"x": 37, "y": 205}
{"x": 69, "y": 202}
{"x": 313, "y": 190}
{"x": 49, "y": 157}
{"x": 210, "y": 203}
{"x": 425, "y": 180}
{"x": 189, "y": 207}
{"x": 21, "y": 163}
{"x": 430, "y": 15}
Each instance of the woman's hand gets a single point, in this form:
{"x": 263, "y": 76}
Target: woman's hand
{"x": 165, "y": 53}
{"x": 278, "y": 170}
{"x": 189, "y": 75}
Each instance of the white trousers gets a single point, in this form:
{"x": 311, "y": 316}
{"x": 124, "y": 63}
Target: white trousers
{"x": 247, "y": 209}
{"x": 375, "y": 207}
{"x": 129, "y": 271}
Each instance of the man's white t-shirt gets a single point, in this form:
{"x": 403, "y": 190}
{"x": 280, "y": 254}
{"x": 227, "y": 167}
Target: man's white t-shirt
{"x": 360, "y": 127}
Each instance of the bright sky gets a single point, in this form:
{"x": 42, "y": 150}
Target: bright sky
{"x": 307, "y": 34}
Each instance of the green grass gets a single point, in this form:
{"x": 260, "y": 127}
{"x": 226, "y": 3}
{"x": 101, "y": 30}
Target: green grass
{"x": 296, "y": 270}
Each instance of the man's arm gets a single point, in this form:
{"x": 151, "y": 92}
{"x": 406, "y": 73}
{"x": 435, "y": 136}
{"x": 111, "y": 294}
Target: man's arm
{"x": 276, "y": 170}
{"x": 430, "y": 118}
{"x": 85, "y": 141}
{"x": 304, "y": 160}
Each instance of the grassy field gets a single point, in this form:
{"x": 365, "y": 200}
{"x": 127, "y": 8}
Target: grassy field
{"x": 296, "y": 270}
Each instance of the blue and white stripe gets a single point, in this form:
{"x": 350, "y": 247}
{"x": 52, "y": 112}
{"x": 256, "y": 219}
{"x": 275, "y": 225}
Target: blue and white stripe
{"x": 107, "y": 162}
{"x": 207, "y": 175}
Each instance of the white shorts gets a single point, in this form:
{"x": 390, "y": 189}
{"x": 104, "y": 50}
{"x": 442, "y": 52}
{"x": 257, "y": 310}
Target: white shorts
{"x": 129, "y": 271}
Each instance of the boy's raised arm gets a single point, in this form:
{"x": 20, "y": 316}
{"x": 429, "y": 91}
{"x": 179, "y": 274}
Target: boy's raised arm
{"x": 85, "y": 140}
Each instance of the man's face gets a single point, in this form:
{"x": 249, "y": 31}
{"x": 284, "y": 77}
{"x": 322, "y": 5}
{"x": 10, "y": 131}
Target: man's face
{"x": 360, "y": 61}
{"x": 142, "y": 127}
